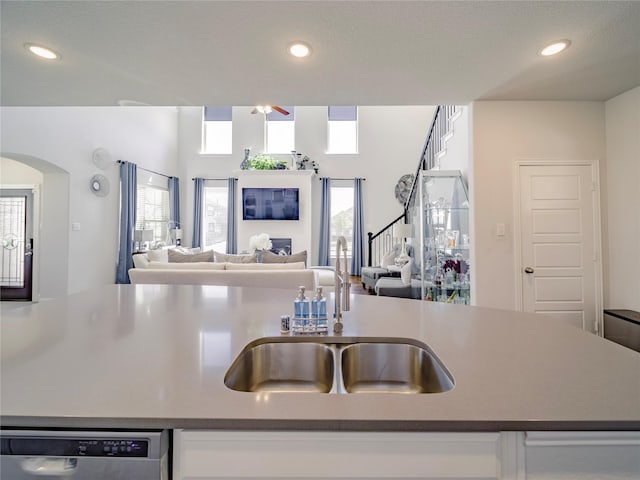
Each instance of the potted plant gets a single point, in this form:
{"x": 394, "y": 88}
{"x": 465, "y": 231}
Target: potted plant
{"x": 263, "y": 161}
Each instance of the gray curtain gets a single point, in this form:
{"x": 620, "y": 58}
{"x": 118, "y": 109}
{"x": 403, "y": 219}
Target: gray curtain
{"x": 324, "y": 247}
{"x": 357, "y": 256}
{"x": 232, "y": 232}
{"x": 198, "y": 200}
{"x": 128, "y": 195}
{"x": 174, "y": 201}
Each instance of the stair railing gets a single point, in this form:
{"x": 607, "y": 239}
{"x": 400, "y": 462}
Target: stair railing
{"x": 381, "y": 242}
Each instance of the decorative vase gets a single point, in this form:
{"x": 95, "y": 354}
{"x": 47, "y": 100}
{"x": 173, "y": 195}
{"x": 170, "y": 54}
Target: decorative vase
{"x": 245, "y": 163}
{"x": 259, "y": 256}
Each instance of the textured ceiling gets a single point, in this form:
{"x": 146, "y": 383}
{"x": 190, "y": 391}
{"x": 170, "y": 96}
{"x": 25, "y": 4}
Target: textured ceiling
{"x": 364, "y": 52}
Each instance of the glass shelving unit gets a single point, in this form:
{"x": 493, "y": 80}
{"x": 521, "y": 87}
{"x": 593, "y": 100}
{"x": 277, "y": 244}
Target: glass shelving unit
{"x": 440, "y": 215}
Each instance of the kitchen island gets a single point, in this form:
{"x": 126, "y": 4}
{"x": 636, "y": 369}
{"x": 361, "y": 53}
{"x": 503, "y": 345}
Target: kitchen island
{"x": 155, "y": 357}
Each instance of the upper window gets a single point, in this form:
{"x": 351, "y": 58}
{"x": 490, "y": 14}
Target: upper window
{"x": 280, "y": 131}
{"x": 217, "y": 130}
{"x": 342, "y": 132}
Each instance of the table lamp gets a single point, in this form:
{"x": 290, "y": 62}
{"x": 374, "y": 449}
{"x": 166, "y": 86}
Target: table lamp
{"x": 403, "y": 230}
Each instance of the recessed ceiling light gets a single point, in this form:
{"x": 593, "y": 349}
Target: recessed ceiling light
{"x": 299, "y": 49}
{"x": 42, "y": 52}
{"x": 555, "y": 47}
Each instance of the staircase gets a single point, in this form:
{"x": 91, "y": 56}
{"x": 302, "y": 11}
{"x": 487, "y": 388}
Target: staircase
{"x": 440, "y": 131}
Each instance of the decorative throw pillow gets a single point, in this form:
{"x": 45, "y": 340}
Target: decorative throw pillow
{"x": 159, "y": 255}
{"x": 405, "y": 273}
{"x": 265, "y": 266}
{"x": 224, "y": 257}
{"x": 388, "y": 259}
{"x": 178, "y": 257}
{"x": 269, "y": 257}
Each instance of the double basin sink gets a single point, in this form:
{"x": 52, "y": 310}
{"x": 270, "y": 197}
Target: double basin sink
{"x": 338, "y": 365}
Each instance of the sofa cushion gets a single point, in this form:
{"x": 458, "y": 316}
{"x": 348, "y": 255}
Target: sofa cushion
{"x": 264, "y": 266}
{"x": 269, "y": 257}
{"x": 159, "y": 255}
{"x": 186, "y": 266}
{"x": 230, "y": 258}
{"x": 388, "y": 259}
{"x": 179, "y": 257}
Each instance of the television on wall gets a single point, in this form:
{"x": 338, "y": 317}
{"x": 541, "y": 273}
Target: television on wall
{"x": 270, "y": 204}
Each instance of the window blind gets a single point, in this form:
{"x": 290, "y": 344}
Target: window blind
{"x": 217, "y": 114}
{"x": 343, "y": 113}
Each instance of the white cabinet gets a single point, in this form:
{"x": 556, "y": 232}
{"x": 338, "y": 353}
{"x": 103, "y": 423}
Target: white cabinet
{"x": 582, "y": 455}
{"x": 324, "y": 455}
{"x": 214, "y": 454}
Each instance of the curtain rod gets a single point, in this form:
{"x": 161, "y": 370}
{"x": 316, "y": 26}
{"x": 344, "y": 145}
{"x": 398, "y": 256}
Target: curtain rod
{"x": 225, "y": 178}
{"x": 332, "y": 178}
{"x": 150, "y": 171}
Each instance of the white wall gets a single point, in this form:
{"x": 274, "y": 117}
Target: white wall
{"x": 621, "y": 206}
{"x": 390, "y": 143}
{"x": 66, "y": 137}
{"x": 503, "y": 133}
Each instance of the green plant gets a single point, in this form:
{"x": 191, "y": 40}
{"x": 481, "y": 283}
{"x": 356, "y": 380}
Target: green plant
{"x": 263, "y": 161}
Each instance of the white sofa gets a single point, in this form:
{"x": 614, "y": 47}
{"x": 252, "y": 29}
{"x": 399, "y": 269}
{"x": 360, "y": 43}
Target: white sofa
{"x": 154, "y": 268}
{"x": 289, "y": 279}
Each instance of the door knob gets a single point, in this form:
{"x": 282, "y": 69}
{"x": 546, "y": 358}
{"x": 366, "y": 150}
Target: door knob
{"x": 528, "y": 270}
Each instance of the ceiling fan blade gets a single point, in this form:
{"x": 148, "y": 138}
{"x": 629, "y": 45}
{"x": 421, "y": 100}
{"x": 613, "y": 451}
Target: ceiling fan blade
{"x": 281, "y": 110}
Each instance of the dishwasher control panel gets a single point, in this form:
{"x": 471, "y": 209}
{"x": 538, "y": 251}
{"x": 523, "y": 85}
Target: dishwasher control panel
{"x": 75, "y": 447}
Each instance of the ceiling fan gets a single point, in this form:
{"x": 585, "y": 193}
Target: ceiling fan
{"x": 268, "y": 108}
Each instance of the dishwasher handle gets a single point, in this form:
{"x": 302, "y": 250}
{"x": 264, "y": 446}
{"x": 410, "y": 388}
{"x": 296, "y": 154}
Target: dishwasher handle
{"x": 55, "y": 467}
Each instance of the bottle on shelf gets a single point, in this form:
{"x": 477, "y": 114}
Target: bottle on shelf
{"x": 319, "y": 312}
{"x": 300, "y": 311}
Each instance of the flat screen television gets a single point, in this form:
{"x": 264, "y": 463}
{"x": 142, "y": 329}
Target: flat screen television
{"x": 270, "y": 204}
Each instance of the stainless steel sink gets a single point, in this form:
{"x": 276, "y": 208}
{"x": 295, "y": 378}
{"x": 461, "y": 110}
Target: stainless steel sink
{"x": 282, "y": 367}
{"x": 392, "y": 368}
{"x": 338, "y": 365}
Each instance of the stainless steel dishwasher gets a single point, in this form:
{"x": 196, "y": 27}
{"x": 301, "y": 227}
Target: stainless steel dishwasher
{"x": 83, "y": 455}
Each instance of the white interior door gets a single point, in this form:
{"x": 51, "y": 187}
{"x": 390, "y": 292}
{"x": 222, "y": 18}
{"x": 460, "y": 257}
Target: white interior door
{"x": 558, "y": 247}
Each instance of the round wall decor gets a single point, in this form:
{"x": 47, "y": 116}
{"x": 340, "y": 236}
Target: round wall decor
{"x": 403, "y": 187}
{"x": 99, "y": 185}
{"x": 102, "y": 158}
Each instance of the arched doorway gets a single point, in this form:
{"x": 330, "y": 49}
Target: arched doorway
{"x": 49, "y": 226}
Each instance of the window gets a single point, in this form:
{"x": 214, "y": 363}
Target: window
{"x": 152, "y": 212}
{"x": 214, "y": 211}
{"x": 217, "y": 130}
{"x": 342, "y": 132}
{"x": 280, "y": 132}
{"x": 341, "y": 215}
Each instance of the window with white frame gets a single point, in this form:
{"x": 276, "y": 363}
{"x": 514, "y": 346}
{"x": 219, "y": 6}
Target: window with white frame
{"x": 341, "y": 214}
{"x": 152, "y": 211}
{"x": 280, "y": 131}
{"x": 342, "y": 129}
{"x": 214, "y": 212}
{"x": 217, "y": 130}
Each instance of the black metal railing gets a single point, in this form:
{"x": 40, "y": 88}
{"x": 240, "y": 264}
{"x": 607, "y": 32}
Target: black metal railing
{"x": 381, "y": 242}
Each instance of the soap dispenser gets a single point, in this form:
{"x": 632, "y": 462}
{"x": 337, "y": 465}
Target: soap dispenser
{"x": 319, "y": 312}
{"x": 300, "y": 311}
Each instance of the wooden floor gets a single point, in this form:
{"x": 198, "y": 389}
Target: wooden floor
{"x": 356, "y": 286}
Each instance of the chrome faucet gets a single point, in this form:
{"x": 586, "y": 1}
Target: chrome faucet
{"x": 342, "y": 282}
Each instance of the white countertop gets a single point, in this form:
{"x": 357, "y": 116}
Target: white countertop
{"x": 153, "y": 356}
